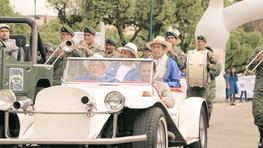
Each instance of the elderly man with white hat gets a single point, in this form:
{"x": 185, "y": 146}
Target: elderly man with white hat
{"x": 166, "y": 68}
{"x": 125, "y": 70}
{"x": 166, "y": 71}
{"x": 10, "y": 44}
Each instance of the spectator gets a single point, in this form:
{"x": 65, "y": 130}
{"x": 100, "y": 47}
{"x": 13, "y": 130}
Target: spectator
{"x": 233, "y": 89}
{"x": 226, "y": 76}
{"x": 243, "y": 88}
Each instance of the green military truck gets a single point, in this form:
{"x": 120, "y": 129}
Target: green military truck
{"x": 23, "y": 77}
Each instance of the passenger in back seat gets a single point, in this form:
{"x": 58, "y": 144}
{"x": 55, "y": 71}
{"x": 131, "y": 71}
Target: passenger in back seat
{"x": 162, "y": 88}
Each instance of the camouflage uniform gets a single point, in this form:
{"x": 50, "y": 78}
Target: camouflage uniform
{"x": 204, "y": 92}
{"x": 179, "y": 56}
{"x": 60, "y": 64}
{"x": 114, "y": 54}
{"x": 258, "y": 92}
{"x": 257, "y": 102}
{"x": 91, "y": 49}
{"x": 212, "y": 95}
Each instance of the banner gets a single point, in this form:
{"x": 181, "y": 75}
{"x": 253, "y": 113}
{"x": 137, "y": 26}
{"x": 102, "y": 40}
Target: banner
{"x": 246, "y": 83}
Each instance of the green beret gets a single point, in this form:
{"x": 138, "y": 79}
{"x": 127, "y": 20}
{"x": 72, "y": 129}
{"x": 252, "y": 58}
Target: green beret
{"x": 90, "y": 30}
{"x": 67, "y": 29}
{"x": 170, "y": 33}
{"x": 201, "y": 38}
{"x": 110, "y": 41}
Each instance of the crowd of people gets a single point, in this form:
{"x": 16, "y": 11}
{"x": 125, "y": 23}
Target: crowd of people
{"x": 169, "y": 60}
{"x": 169, "y": 64}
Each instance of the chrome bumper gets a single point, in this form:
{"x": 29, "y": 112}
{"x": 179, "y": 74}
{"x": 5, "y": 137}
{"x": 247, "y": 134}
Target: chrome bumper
{"x": 100, "y": 141}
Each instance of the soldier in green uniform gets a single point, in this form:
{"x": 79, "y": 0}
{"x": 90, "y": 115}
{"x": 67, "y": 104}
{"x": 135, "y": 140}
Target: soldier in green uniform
{"x": 88, "y": 44}
{"x": 213, "y": 74}
{"x": 176, "y": 53}
{"x": 257, "y": 102}
{"x": 110, "y": 49}
{"x": 204, "y": 92}
{"x": 66, "y": 34}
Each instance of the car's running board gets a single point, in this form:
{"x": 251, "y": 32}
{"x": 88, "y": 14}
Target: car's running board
{"x": 188, "y": 140}
{"x": 104, "y": 141}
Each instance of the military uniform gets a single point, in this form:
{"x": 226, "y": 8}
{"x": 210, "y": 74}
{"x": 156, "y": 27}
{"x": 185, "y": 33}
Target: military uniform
{"x": 258, "y": 92}
{"x": 257, "y": 102}
{"x": 60, "y": 64}
{"x": 114, "y": 54}
{"x": 179, "y": 56}
{"x": 176, "y": 53}
{"x": 111, "y": 53}
{"x": 205, "y": 92}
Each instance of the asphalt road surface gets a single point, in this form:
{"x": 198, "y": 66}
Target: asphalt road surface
{"x": 232, "y": 126}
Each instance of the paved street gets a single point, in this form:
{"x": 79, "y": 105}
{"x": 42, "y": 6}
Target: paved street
{"x": 232, "y": 126}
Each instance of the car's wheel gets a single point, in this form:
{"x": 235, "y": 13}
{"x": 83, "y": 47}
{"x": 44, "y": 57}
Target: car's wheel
{"x": 151, "y": 122}
{"x": 202, "y": 143}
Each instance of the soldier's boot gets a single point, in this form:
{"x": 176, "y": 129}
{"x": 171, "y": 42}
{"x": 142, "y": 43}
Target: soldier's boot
{"x": 260, "y": 143}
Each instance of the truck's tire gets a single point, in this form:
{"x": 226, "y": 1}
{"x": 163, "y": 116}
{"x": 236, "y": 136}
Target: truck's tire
{"x": 151, "y": 122}
{"x": 202, "y": 143}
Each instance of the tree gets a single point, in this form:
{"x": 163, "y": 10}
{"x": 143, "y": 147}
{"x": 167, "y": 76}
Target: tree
{"x": 68, "y": 11}
{"x": 240, "y": 46}
{"x": 6, "y": 9}
{"x": 124, "y": 13}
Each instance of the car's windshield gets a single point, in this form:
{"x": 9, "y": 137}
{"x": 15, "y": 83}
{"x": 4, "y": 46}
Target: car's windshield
{"x": 107, "y": 70}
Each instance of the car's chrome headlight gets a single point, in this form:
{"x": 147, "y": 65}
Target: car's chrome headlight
{"x": 7, "y": 98}
{"x": 114, "y": 101}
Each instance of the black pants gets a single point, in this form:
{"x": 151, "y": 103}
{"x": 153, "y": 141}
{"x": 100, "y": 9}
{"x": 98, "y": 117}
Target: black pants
{"x": 245, "y": 94}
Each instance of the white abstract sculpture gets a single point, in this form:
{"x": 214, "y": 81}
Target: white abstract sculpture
{"x": 217, "y": 23}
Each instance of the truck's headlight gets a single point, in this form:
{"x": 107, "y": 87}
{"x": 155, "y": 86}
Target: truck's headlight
{"x": 7, "y": 98}
{"x": 114, "y": 101}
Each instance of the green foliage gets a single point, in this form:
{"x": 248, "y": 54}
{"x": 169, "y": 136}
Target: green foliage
{"x": 6, "y": 9}
{"x": 50, "y": 32}
{"x": 240, "y": 46}
{"x": 68, "y": 11}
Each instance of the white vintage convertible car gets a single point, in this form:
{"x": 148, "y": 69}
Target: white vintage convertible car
{"x": 94, "y": 107}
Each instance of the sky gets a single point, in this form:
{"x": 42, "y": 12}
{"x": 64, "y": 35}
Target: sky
{"x": 26, "y": 7}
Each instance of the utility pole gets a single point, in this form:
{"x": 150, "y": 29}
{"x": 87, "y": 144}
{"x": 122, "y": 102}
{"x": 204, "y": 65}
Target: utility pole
{"x": 35, "y": 9}
{"x": 150, "y": 19}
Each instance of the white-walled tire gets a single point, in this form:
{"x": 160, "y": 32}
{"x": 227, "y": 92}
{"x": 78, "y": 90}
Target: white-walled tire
{"x": 202, "y": 143}
{"x": 153, "y": 123}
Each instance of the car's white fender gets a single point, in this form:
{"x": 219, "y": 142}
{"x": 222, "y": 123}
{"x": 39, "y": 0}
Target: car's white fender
{"x": 142, "y": 102}
{"x": 189, "y": 115}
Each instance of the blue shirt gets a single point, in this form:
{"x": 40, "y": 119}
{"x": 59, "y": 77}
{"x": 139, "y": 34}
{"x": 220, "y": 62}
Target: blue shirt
{"x": 171, "y": 76}
{"x": 110, "y": 75}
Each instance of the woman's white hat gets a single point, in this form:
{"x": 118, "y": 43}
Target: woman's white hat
{"x": 130, "y": 47}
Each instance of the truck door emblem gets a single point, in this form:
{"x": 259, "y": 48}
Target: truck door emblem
{"x": 16, "y": 79}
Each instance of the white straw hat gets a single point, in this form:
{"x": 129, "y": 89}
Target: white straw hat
{"x": 130, "y": 47}
{"x": 159, "y": 40}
